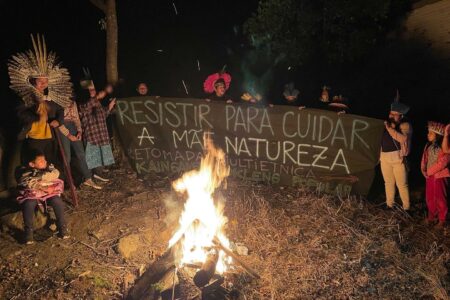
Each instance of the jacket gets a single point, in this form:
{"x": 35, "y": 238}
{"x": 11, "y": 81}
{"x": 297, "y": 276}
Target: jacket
{"x": 28, "y": 115}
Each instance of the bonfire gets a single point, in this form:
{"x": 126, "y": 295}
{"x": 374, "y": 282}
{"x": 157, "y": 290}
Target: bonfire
{"x": 202, "y": 221}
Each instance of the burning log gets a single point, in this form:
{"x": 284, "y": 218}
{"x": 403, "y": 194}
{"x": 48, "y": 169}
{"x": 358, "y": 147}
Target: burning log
{"x": 204, "y": 275}
{"x": 146, "y": 287}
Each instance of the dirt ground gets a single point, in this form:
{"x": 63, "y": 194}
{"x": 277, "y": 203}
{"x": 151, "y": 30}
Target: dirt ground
{"x": 304, "y": 245}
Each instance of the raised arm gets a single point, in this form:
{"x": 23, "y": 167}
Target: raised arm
{"x": 445, "y": 142}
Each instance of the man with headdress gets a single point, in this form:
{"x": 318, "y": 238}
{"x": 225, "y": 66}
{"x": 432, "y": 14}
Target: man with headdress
{"x": 395, "y": 147}
{"x": 45, "y": 89}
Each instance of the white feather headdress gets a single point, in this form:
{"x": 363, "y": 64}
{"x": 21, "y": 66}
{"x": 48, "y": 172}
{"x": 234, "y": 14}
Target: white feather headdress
{"x": 23, "y": 67}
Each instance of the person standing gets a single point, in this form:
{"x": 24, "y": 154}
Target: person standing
{"x": 45, "y": 88}
{"x": 395, "y": 147}
{"x": 142, "y": 89}
{"x": 95, "y": 132}
{"x": 71, "y": 134}
{"x": 434, "y": 167}
{"x": 216, "y": 86}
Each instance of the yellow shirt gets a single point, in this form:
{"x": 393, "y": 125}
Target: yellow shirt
{"x": 40, "y": 130}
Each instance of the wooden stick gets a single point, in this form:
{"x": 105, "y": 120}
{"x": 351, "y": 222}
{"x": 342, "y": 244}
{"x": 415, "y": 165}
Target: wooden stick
{"x": 236, "y": 258}
{"x": 92, "y": 248}
{"x": 67, "y": 169}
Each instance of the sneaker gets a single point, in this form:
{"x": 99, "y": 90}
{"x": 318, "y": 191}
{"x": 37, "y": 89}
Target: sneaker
{"x": 63, "y": 234}
{"x": 29, "y": 239}
{"x": 100, "y": 178}
{"x": 91, "y": 183}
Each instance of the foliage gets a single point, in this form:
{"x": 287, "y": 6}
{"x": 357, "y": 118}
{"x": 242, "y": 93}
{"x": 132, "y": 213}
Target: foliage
{"x": 333, "y": 30}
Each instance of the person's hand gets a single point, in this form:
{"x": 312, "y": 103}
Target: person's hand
{"x": 270, "y": 105}
{"x": 157, "y": 97}
{"x": 72, "y": 138}
{"x": 253, "y": 100}
{"x": 387, "y": 125}
{"x": 208, "y": 100}
{"x": 447, "y": 130}
{"x": 54, "y": 124}
{"x": 341, "y": 112}
{"x": 79, "y": 135}
{"x": 111, "y": 104}
{"x": 301, "y": 107}
{"x": 424, "y": 173}
{"x": 229, "y": 101}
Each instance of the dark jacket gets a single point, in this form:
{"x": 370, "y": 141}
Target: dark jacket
{"x": 28, "y": 115}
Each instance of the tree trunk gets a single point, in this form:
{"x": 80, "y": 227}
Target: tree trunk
{"x": 112, "y": 75}
{"x": 108, "y": 7}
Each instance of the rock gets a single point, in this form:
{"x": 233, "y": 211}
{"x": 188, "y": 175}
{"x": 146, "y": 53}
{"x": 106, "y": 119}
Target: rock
{"x": 128, "y": 245}
{"x": 241, "y": 249}
{"x": 15, "y": 220}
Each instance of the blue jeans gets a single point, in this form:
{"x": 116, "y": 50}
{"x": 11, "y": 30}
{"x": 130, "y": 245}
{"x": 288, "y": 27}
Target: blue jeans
{"x": 78, "y": 150}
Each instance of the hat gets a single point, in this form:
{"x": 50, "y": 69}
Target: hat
{"x": 39, "y": 63}
{"x": 436, "y": 127}
{"x": 86, "y": 82}
{"x": 397, "y": 106}
{"x": 339, "y": 101}
{"x": 218, "y": 82}
{"x": 400, "y": 108}
{"x": 290, "y": 90}
{"x": 210, "y": 82}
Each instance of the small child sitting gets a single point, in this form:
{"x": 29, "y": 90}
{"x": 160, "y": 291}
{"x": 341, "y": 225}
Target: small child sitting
{"x": 39, "y": 185}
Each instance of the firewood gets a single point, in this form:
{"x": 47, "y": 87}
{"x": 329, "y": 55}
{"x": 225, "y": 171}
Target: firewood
{"x": 146, "y": 286}
{"x": 235, "y": 258}
{"x": 204, "y": 275}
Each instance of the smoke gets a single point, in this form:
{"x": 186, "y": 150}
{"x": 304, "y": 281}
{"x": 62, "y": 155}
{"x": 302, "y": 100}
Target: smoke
{"x": 173, "y": 208}
{"x": 258, "y": 68}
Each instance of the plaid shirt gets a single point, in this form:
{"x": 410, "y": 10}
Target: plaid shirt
{"x": 93, "y": 122}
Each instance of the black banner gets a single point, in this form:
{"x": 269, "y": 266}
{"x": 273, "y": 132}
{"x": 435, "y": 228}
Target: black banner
{"x": 309, "y": 148}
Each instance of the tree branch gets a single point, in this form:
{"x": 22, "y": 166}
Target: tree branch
{"x": 100, "y": 4}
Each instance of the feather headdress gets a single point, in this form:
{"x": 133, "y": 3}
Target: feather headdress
{"x": 37, "y": 63}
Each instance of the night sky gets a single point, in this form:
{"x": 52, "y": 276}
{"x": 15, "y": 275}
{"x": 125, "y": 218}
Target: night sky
{"x": 211, "y": 31}
{"x": 205, "y": 30}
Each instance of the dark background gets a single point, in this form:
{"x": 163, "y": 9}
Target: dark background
{"x": 211, "y": 31}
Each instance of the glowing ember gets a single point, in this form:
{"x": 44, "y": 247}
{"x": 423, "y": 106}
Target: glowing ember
{"x": 202, "y": 218}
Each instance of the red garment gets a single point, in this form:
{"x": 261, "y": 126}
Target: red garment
{"x": 93, "y": 122}
{"x": 208, "y": 84}
{"x": 436, "y": 195}
{"x": 440, "y": 169}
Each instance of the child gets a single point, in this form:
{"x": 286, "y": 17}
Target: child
{"x": 39, "y": 185}
{"x": 435, "y": 169}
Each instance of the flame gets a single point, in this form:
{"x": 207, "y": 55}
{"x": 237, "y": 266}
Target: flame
{"x": 202, "y": 218}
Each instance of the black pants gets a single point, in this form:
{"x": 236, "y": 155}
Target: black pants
{"x": 29, "y": 206}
